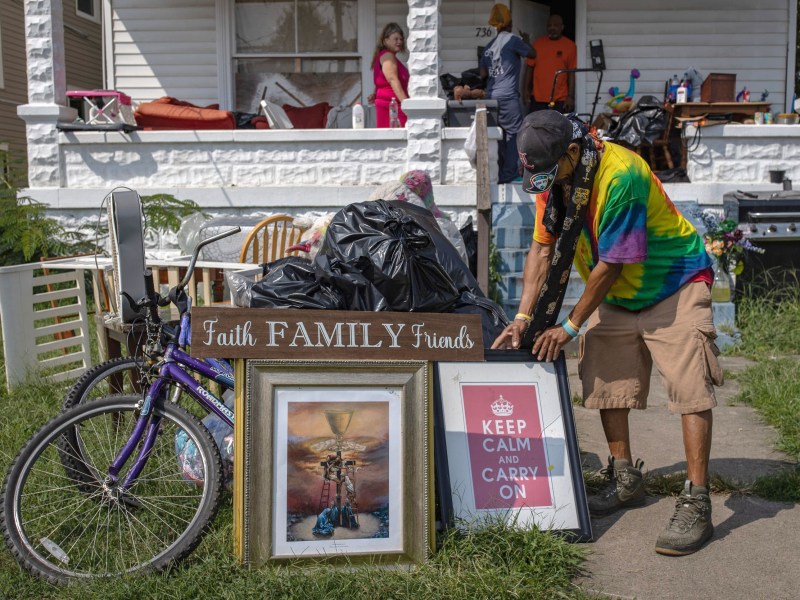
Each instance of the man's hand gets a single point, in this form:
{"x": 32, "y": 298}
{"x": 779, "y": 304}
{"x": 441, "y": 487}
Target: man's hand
{"x": 511, "y": 335}
{"x": 550, "y": 342}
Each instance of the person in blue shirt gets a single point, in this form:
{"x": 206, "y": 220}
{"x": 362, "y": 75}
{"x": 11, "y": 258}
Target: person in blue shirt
{"x": 502, "y": 65}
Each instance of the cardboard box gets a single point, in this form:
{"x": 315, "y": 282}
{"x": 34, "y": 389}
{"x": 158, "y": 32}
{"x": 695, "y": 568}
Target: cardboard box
{"x": 718, "y": 87}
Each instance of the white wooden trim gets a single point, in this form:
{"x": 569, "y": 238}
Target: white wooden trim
{"x": 108, "y": 45}
{"x": 581, "y": 29}
{"x": 224, "y": 9}
{"x": 366, "y": 44}
{"x": 790, "y": 60}
{"x": 96, "y": 17}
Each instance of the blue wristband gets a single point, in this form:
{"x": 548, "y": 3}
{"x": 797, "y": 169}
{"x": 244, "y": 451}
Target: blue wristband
{"x": 569, "y": 328}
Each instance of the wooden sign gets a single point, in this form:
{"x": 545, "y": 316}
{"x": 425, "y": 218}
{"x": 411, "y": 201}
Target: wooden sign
{"x": 335, "y": 335}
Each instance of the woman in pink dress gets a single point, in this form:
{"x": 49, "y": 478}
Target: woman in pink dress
{"x": 391, "y": 76}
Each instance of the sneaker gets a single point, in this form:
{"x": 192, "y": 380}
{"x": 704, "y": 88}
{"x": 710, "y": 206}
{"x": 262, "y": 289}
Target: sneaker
{"x": 690, "y": 526}
{"x": 625, "y": 487}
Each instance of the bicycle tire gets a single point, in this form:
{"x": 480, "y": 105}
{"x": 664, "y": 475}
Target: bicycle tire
{"x": 62, "y": 527}
{"x": 112, "y": 377}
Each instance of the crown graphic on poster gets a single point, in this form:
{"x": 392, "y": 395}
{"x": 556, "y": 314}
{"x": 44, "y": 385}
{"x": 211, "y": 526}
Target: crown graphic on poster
{"x": 502, "y": 407}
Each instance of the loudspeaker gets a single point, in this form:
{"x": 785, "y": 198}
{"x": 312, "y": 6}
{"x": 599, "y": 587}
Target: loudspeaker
{"x": 596, "y": 52}
{"x": 126, "y": 229}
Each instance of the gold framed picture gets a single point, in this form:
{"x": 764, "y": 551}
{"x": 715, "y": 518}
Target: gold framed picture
{"x": 334, "y": 462}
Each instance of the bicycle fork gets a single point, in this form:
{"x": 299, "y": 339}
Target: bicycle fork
{"x": 148, "y": 424}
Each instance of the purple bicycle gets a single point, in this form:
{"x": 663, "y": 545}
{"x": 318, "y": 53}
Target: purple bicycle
{"x": 125, "y": 483}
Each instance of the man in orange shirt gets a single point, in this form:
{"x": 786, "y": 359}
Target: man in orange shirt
{"x": 553, "y": 53}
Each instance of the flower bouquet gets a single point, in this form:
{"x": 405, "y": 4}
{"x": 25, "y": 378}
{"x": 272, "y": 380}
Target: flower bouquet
{"x": 726, "y": 242}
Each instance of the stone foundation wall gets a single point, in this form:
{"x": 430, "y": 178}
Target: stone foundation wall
{"x": 742, "y": 153}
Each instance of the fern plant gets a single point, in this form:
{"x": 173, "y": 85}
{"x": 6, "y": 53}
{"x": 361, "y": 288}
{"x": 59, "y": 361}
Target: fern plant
{"x": 26, "y": 232}
{"x": 164, "y": 212}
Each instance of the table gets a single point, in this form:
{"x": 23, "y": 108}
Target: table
{"x": 696, "y": 111}
{"x": 701, "y": 109}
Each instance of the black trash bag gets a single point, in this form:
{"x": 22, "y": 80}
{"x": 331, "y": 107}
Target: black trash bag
{"x": 493, "y": 318}
{"x": 291, "y": 283}
{"x": 299, "y": 261}
{"x": 400, "y": 250}
{"x": 472, "y": 78}
{"x": 449, "y": 82}
{"x": 645, "y": 123}
{"x": 470, "y": 237}
{"x": 350, "y": 283}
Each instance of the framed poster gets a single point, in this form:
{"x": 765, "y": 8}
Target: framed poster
{"x": 336, "y": 462}
{"x": 506, "y": 445}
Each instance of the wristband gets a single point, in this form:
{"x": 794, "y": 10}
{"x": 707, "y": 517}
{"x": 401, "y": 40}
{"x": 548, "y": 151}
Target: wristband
{"x": 572, "y": 324}
{"x": 523, "y": 317}
{"x": 569, "y": 327}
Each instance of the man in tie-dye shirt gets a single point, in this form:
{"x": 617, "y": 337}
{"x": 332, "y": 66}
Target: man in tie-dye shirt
{"x": 647, "y": 299}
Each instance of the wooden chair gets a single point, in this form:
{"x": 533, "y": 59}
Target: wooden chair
{"x": 661, "y": 143}
{"x": 268, "y": 241}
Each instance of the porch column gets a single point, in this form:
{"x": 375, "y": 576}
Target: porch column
{"x": 44, "y": 45}
{"x": 424, "y": 108}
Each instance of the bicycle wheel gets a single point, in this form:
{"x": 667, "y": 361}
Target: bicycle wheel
{"x": 115, "y": 376}
{"x": 60, "y": 526}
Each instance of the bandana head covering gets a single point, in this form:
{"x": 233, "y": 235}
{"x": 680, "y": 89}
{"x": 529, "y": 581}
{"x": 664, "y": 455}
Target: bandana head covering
{"x": 500, "y": 16}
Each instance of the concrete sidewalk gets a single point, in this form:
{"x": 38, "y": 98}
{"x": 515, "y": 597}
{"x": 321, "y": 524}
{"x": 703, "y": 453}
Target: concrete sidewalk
{"x": 755, "y": 551}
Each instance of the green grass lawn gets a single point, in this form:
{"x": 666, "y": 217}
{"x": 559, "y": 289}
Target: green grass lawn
{"x": 496, "y": 562}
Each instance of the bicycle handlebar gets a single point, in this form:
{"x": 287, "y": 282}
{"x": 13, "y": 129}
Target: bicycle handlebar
{"x": 176, "y": 295}
{"x": 196, "y": 253}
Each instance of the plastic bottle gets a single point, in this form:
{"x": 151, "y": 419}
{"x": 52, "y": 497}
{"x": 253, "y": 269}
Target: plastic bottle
{"x": 394, "y": 120}
{"x": 688, "y": 83}
{"x": 358, "y": 116}
{"x": 673, "y": 88}
{"x": 682, "y": 94}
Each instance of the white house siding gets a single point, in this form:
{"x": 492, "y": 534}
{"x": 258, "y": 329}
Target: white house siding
{"x": 661, "y": 39}
{"x": 165, "y": 49}
{"x": 464, "y": 27}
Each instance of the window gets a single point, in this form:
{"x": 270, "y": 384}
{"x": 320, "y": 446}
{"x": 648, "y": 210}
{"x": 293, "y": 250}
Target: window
{"x": 88, "y": 9}
{"x": 298, "y": 52}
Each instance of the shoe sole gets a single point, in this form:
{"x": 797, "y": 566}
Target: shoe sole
{"x": 688, "y": 550}
{"x": 629, "y": 504}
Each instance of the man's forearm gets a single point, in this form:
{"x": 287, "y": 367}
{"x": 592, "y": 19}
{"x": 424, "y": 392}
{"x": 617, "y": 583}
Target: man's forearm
{"x": 537, "y": 266}
{"x": 600, "y": 281}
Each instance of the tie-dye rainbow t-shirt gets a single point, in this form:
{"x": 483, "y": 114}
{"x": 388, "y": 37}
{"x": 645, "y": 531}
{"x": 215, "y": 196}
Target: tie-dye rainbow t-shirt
{"x": 631, "y": 220}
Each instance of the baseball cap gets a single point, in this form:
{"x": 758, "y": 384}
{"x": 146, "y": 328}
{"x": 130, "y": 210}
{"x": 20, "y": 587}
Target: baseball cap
{"x": 542, "y": 140}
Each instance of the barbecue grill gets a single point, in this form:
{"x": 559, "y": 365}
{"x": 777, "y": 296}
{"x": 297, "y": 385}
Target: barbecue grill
{"x": 771, "y": 220}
